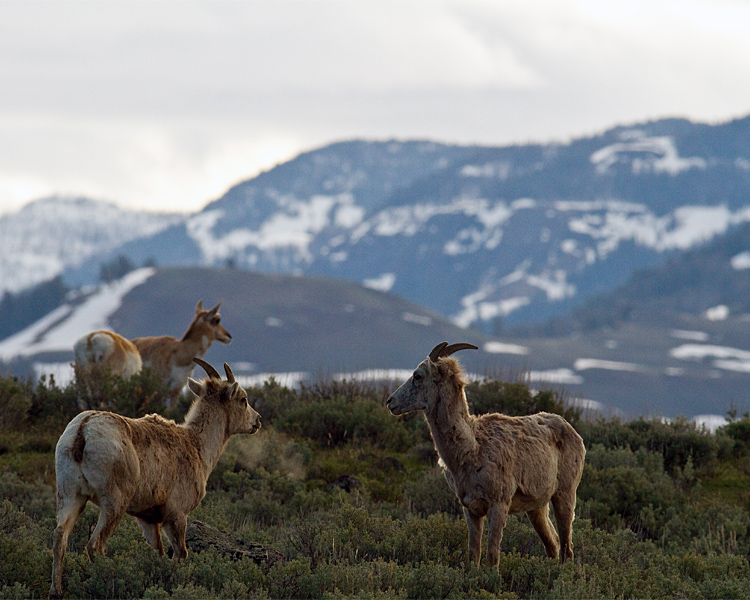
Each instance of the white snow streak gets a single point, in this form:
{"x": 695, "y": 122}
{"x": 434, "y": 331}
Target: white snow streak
{"x": 582, "y": 364}
{"x": 503, "y": 348}
{"x": 59, "y": 330}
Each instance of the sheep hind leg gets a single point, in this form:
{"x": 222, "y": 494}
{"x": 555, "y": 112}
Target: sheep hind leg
{"x": 110, "y": 515}
{"x": 68, "y": 513}
{"x": 175, "y": 530}
{"x": 543, "y": 526}
{"x": 564, "y": 515}
{"x": 152, "y": 533}
{"x": 476, "y": 526}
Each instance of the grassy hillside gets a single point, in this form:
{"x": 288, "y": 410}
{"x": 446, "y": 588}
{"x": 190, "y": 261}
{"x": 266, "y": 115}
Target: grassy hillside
{"x": 663, "y": 509}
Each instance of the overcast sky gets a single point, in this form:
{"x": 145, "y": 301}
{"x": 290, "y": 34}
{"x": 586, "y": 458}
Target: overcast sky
{"x": 165, "y": 104}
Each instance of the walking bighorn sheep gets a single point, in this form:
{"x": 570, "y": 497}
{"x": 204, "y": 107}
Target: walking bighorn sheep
{"x": 151, "y": 468}
{"x": 494, "y": 463}
{"x": 172, "y": 359}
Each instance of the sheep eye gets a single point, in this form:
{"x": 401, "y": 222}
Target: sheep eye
{"x": 417, "y": 377}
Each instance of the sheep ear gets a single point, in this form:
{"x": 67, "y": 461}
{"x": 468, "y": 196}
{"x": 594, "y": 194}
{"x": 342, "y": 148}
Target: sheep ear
{"x": 215, "y": 309}
{"x": 195, "y": 387}
{"x": 199, "y": 307}
{"x": 232, "y": 390}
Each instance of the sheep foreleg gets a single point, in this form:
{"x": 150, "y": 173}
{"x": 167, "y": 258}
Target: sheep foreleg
{"x": 496, "y": 516}
{"x": 476, "y": 526}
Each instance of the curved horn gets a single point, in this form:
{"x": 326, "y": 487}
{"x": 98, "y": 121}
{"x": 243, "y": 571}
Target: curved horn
{"x": 212, "y": 373}
{"x": 228, "y": 371}
{"x": 435, "y": 354}
{"x": 447, "y": 351}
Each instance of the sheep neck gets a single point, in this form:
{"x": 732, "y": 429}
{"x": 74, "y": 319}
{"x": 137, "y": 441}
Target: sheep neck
{"x": 451, "y": 428}
{"x": 210, "y": 430}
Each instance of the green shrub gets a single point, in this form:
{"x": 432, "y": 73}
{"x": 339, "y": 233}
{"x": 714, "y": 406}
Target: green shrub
{"x": 515, "y": 399}
{"x": 338, "y": 421}
{"x": 15, "y": 403}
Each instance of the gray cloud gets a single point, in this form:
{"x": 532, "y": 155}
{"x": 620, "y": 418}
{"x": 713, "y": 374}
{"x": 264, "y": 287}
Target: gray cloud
{"x": 164, "y": 104}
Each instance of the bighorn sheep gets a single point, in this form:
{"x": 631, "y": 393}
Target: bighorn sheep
{"x": 494, "y": 463}
{"x": 109, "y": 351}
{"x": 172, "y": 359}
{"x": 151, "y": 468}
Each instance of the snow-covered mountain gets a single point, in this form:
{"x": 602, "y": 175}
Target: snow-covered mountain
{"x": 48, "y": 236}
{"x": 486, "y": 236}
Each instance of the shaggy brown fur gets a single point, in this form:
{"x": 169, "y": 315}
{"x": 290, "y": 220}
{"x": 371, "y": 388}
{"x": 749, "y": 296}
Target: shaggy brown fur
{"x": 494, "y": 463}
{"x": 172, "y": 359}
{"x": 151, "y": 468}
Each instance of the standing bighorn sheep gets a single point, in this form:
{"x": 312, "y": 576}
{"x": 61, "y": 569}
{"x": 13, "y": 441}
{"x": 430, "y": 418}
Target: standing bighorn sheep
{"x": 494, "y": 463}
{"x": 151, "y": 468}
{"x": 172, "y": 359}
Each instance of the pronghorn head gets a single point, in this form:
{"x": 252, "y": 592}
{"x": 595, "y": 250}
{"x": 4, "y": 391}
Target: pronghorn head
{"x": 209, "y": 324}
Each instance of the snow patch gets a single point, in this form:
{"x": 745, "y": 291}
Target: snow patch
{"x": 375, "y": 375}
{"x": 418, "y": 319}
{"x": 503, "y": 348}
{"x": 62, "y": 372}
{"x": 382, "y": 283}
{"x": 680, "y": 230}
{"x": 553, "y": 284}
{"x": 741, "y": 261}
{"x": 60, "y": 329}
{"x": 558, "y": 376}
{"x": 295, "y": 226}
{"x": 717, "y": 313}
{"x": 475, "y": 307}
{"x": 694, "y": 336}
{"x": 499, "y": 170}
{"x": 290, "y": 379}
{"x": 645, "y": 154}
{"x": 583, "y": 364}
{"x": 699, "y": 352}
{"x": 709, "y": 422}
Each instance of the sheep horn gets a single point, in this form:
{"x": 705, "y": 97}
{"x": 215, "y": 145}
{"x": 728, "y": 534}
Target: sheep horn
{"x": 456, "y": 347}
{"x": 435, "y": 354}
{"x": 212, "y": 373}
{"x": 230, "y": 375}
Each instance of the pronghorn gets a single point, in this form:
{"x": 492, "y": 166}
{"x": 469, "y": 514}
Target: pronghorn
{"x": 494, "y": 463}
{"x": 107, "y": 351}
{"x": 151, "y": 468}
{"x": 172, "y": 359}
